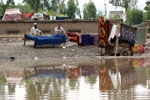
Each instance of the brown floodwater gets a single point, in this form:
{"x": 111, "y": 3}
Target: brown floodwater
{"x": 111, "y": 79}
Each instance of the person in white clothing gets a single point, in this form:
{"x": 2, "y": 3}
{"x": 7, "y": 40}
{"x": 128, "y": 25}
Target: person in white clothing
{"x": 59, "y": 29}
{"x": 34, "y": 30}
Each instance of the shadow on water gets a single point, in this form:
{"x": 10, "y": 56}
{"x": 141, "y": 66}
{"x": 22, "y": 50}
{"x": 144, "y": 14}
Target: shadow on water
{"x": 112, "y": 79}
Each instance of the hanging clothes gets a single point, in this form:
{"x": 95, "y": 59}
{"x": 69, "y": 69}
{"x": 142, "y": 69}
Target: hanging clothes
{"x": 113, "y": 32}
{"x": 128, "y": 34}
{"x": 104, "y": 30}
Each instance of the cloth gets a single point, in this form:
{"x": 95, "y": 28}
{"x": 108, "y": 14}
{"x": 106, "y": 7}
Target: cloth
{"x": 55, "y": 39}
{"x": 27, "y": 16}
{"x": 74, "y": 39}
{"x": 95, "y": 36}
{"x": 34, "y": 31}
{"x": 52, "y": 17}
{"x": 104, "y": 31}
{"x": 62, "y": 18}
{"x": 141, "y": 33}
{"x": 86, "y": 39}
{"x": 72, "y": 34}
{"x": 128, "y": 34}
{"x": 59, "y": 29}
{"x": 113, "y": 32}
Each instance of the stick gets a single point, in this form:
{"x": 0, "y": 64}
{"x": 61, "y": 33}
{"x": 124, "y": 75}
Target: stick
{"x": 25, "y": 40}
{"x": 117, "y": 38}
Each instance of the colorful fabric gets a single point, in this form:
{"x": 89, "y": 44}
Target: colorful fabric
{"x": 128, "y": 34}
{"x": 12, "y": 17}
{"x": 104, "y": 30}
{"x": 12, "y": 14}
{"x": 27, "y": 16}
{"x": 52, "y": 17}
{"x": 74, "y": 39}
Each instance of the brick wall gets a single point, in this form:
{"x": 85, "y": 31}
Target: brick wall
{"x": 21, "y": 27}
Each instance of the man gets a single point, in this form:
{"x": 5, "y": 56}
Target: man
{"x": 59, "y": 29}
{"x": 34, "y": 30}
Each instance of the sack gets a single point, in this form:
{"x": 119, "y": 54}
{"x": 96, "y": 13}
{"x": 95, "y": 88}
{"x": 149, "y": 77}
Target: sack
{"x": 138, "y": 48}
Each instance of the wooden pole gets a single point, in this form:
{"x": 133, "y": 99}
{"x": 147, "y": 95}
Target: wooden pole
{"x": 117, "y": 38}
{"x": 25, "y": 40}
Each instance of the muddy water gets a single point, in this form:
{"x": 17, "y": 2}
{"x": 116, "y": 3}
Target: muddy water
{"x": 110, "y": 79}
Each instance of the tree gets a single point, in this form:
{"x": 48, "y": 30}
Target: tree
{"x": 34, "y": 4}
{"x": 54, "y": 5}
{"x": 62, "y": 8}
{"x": 72, "y": 8}
{"x": 2, "y": 7}
{"x": 135, "y": 16}
{"x": 25, "y": 8}
{"x": 147, "y": 9}
{"x": 127, "y": 4}
{"x": 10, "y": 2}
{"x": 89, "y": 10}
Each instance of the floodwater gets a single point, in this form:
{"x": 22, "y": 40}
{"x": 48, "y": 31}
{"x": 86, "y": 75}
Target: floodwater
{"x": 113, "y": 79}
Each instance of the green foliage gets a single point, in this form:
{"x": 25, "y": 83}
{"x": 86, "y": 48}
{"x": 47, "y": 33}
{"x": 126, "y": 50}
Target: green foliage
{"x": 25, "y": 8}
{"x": 72, "y": 7}
{"x": 134, "y": 16}
{"x": 114, "y": 17}
{"x": 62, "y": 8}
{"x": 54, "y": 5}
{"x": 89, "y": 10}
{"x": 34, "y": 4}
{"x": 146, "y": 16}
{"x": 10, "y": 2}
{"x": 127, "y": 4}
{"x": 1, "y": 11}
{"x": 51, "y": 12}
{"x": 147, "y": 13}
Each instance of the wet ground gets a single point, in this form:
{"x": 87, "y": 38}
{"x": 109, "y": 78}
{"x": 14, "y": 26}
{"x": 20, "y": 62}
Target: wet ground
{"x": 73, "y": 73}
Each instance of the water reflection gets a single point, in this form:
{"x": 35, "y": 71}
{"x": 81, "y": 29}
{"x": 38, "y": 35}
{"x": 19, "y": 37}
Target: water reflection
{"x": 114, "y": 79}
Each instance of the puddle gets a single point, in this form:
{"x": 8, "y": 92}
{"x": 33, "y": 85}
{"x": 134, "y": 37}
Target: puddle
{"x": 102, "y": 79}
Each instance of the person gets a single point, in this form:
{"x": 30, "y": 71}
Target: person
{"x": 34, "y": 30}
{"x": 59, "y": 29}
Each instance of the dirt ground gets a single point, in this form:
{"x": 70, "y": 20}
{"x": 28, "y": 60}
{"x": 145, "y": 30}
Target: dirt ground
{"x": 19, "y": 51}
{"x": 15, "y": 48}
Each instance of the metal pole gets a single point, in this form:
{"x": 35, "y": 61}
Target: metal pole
{"x": 105, "y": 8}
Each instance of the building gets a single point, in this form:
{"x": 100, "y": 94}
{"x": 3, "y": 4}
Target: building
{"x": 116, "y": 14}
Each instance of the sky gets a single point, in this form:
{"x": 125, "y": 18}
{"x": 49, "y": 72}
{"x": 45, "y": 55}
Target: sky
{"x": 100, "y": 5}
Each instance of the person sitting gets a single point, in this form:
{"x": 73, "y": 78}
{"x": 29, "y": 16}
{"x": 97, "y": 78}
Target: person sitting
{"x": 61, "y": 30}
{"x": 34, "y": 30}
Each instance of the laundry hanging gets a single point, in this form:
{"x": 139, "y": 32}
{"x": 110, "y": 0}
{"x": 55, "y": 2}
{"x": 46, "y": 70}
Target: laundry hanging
{"x": 113, "y": 32}
{"x": 104, "y": 30}
{"x": 128, "y": 34}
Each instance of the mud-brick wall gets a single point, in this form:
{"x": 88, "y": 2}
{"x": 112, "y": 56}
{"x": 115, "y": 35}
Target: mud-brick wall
{"x": 21, "y": 27}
